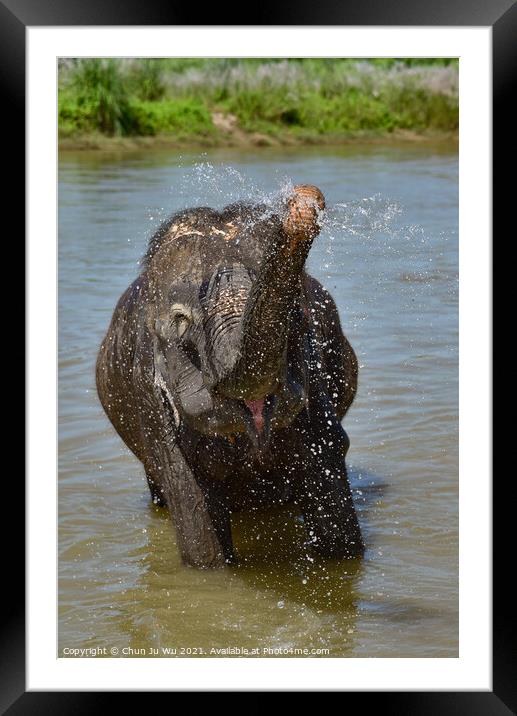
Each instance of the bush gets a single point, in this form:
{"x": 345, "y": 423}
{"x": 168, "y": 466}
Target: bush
{"x": 180, "y": 117}
{"x": 99, "y": 98}
{"x": 145, "y": 80}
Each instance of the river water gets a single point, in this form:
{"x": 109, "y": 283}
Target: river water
{"x": 389, "y": 255}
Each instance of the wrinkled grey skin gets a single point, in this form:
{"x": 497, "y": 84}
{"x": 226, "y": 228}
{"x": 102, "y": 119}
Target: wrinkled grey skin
{"x": 226, "y": 372}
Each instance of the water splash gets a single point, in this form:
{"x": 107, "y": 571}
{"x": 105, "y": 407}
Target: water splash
{"x": 207, "y": 184}
{"x": 366, "y": 217}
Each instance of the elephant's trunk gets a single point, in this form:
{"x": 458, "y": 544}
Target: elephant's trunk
{"x": 274, "y": 293}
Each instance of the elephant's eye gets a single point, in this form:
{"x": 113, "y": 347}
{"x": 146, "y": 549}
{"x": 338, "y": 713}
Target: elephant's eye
{"x": 182, "y": 323}
{"x": 181, "y": 319}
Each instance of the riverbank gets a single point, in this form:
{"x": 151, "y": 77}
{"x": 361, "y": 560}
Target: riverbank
{"x": 249, "y": 140}
{"x": 231, "y": 103}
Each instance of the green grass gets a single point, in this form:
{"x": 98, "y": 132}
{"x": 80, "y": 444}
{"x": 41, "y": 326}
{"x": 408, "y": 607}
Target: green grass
{"x": 300, "y": 98}
{"x": 100, "y": 97}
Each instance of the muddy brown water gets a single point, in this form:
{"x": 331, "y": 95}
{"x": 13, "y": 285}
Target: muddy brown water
{"x": 389, "y": 255}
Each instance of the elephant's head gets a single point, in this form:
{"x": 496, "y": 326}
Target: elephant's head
{"x": 226, "y": 310}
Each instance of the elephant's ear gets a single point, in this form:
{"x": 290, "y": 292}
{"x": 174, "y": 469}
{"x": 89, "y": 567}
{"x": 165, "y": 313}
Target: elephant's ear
{"x": 160, "y": 378}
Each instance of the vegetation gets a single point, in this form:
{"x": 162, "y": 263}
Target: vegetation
{"x": 283, "y": 100}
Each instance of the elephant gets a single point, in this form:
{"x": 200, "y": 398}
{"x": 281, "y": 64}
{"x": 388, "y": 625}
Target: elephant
{"x": 226, "y": 372}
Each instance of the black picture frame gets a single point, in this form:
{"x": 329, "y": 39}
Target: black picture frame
{"x": 15, "y": 17}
